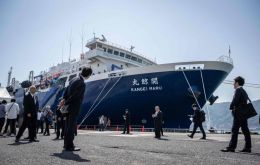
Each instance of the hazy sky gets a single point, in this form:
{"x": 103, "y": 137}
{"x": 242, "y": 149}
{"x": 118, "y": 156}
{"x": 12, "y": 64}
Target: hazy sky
{"x": 33, "y": 33}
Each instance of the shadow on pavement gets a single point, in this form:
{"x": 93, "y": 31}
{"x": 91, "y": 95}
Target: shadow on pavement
{"x": 19, "y": 143}
{"x": 256, "y": 154}
{"x": 163, "y": 139}
{"x": 68, "y": 155}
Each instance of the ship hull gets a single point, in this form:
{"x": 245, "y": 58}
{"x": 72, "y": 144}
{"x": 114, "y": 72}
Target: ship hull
{"x": 110, "y": 97}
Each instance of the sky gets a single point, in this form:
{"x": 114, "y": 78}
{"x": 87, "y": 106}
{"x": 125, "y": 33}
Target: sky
{"x": 35, "y": 34}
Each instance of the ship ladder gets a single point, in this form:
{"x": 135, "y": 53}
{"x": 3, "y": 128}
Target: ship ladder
{"x": 90, "y": 111}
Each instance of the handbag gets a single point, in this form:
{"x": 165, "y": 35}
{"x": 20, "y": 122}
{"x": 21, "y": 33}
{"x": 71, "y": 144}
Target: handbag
{"x": 247, "y": 110}
{"x": 250, "y": 110}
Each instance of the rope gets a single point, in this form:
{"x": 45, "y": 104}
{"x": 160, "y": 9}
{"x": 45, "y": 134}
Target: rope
{"x": 191, "y": 89}
{"x": 87, "y": 115}
{"x": 98, "y": 96}
{"x": 205, "y": 96}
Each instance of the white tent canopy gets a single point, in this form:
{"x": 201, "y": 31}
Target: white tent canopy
{"x": 4, "y": 95}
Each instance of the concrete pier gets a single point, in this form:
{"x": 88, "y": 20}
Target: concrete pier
{"x": 138, "y": 148}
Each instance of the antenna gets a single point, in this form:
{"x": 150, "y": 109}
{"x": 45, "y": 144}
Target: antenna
{"x": 62, "y": 52}
{"x": 70, "y": 45}
{"x": 82, "y": 41}
{"x": 229, "y": 52}
{"x": 9, "y": 76}
{"x": 94, "y": 34}
{"x": 131, "y": 48}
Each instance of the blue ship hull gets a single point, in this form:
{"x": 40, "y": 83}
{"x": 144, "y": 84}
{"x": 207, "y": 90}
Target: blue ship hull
{"x": 170, "y": 93}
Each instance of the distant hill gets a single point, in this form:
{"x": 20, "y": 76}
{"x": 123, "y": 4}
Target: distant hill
{"x": 221, "y": 117}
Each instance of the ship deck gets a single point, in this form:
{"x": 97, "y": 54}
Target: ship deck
{"x": 138, "y": 148}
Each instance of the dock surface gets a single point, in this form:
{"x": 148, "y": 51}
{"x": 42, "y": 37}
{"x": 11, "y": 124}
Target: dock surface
{"x": 136, "y": 149}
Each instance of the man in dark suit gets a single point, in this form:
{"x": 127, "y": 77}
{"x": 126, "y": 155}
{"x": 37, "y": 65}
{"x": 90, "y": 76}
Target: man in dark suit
{"x": 197, "y": 122}
{"x": 239, "y": 101}
{"x": 157, "y": 122}
{"x": 126, "y": 117}
{"x": 31, "y": 106}
{"x": 72, "y": 98}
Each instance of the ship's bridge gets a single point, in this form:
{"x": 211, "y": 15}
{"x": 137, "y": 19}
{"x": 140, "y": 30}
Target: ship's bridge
{"x": 101, "y": 48}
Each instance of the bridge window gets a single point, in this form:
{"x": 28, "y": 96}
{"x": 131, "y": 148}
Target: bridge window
{"x": 109, "y": 51}
{"x": 105, "y": 49}
{"x": 139, "y": 60}
{"x": 122, "y": 54}
{"x": 116, "y": 52}
{"x": 128, "y": 56}
{"x": 134, "y": 58}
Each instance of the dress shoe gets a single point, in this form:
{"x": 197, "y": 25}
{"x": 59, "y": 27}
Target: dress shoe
{"x": 203, "y": 138}
{"x": 26, "y": 138}
{"x": 228, "y": 150}
{"x": 17, "y": 140}
{"x": 190, "y": 136}
{"x": 245, "y": 150}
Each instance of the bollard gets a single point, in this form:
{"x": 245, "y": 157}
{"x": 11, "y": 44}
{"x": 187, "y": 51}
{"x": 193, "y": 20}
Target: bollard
{"x": 117, "y": 128}
{"x": 94, "y": 127}
{"x": 142, "y": 128}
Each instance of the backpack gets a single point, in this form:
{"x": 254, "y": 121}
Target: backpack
{"x": 202, "y": 116}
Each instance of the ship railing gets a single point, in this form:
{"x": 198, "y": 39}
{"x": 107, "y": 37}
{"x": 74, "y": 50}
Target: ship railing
{"x": 226, "y": 59}
{"x": 142, "y": 128}
{"x": 121, "y": 47}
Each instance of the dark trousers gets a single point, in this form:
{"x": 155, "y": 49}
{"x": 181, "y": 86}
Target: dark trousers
{"x": 47, "y": 127}
{"x": 30, "y": 123}
{"x": 2, "y": 122}
{"x": 196, "y": 125}
{"x": 10, "y": 122}
{"x": 157, "y": 130}
{"x": 39, "y": 125}
{"x": 161, "y": 130}
{"x": 70, "y": 125}
{"x": 126, "y": 128}
{"x": 234, "y": 134}
{"x": 60, "y": 125}
{"x": 101, "y": 127}
{"x": 32, "y": 128}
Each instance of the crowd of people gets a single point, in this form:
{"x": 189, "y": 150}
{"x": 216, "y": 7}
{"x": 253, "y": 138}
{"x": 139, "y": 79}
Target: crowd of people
{"x": 65, "y": 120}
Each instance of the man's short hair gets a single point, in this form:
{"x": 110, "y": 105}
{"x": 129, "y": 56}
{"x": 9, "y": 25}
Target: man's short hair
{"x": 86, "y": 72}
{"x": 240, "y": 80}
{"x": 13, "y": 100}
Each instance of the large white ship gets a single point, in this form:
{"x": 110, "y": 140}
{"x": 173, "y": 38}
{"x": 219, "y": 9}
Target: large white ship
{"x": 123, "y": 78}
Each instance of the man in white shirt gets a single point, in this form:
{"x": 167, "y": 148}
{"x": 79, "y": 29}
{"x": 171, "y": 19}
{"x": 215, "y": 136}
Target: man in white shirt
{"x": 12, "y": 111}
